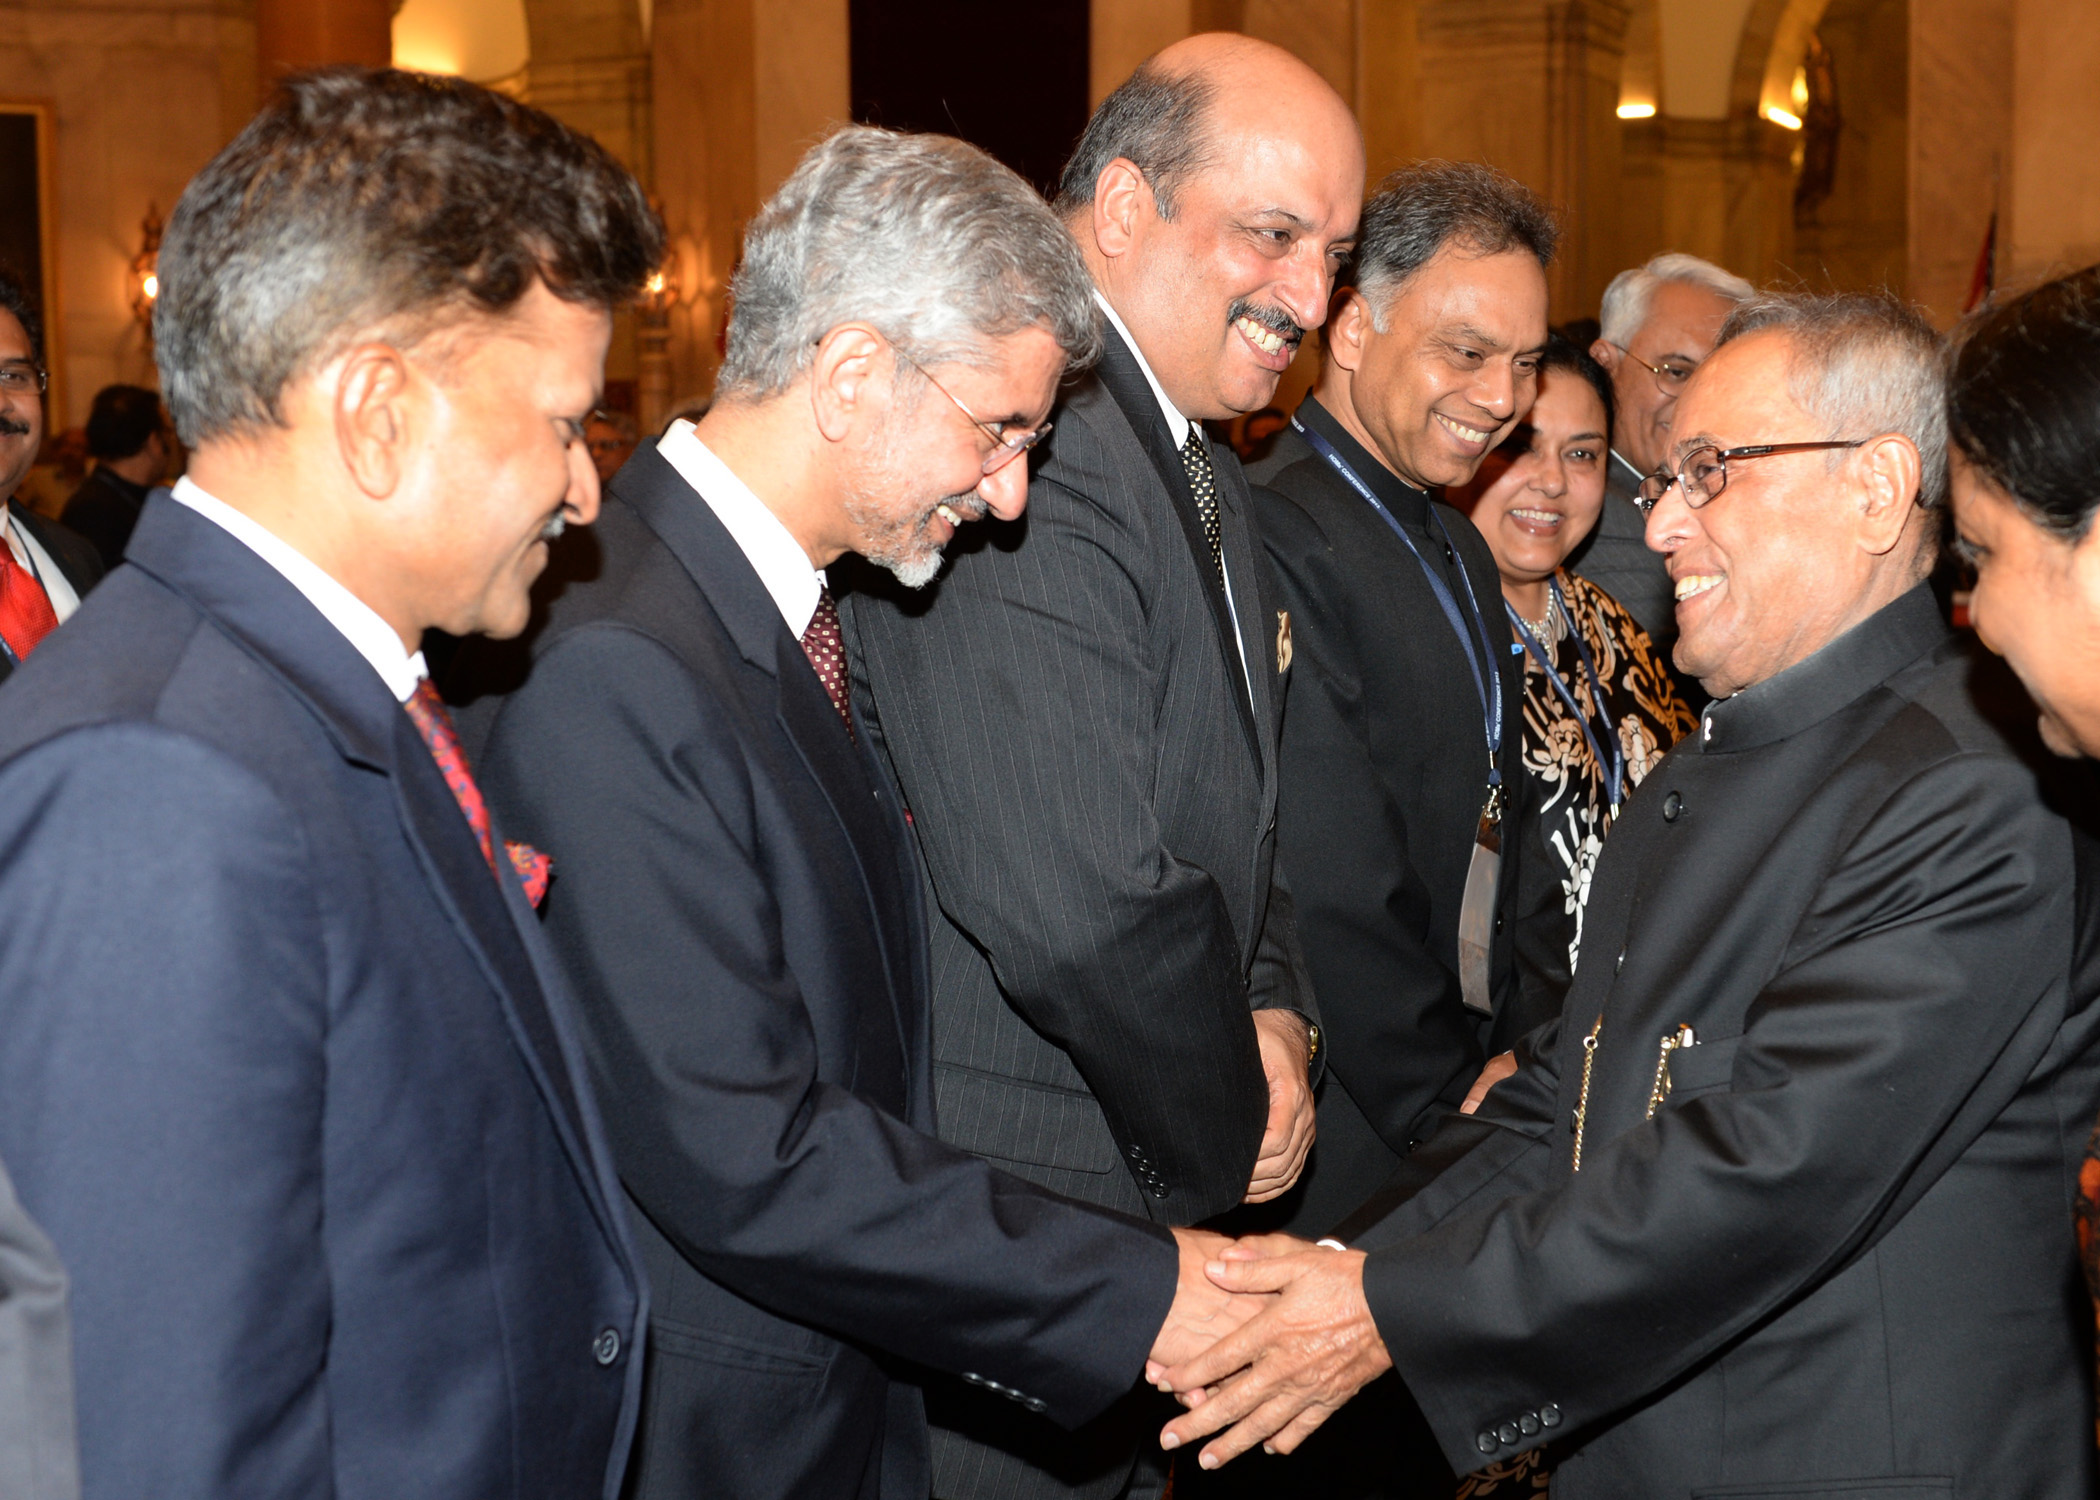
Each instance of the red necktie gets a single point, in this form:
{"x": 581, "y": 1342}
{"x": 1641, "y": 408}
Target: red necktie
{"x": 26, "y": 616}
{"x": 825, "y": 646}
{"x": 427, "y": 709}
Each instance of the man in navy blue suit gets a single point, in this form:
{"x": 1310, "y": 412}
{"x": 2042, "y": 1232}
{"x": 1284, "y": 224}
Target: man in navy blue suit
{"x": 285, "y": 1072}
{"x": 738, "y": 901}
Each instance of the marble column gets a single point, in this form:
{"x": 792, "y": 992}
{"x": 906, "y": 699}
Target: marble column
{"x": 295, "y": 34}
{"x": 1721, "y": 189}
{"x": 1961, "y": 121}
{"x": 2053, "y": 216}
{"x": 739, "y": 89}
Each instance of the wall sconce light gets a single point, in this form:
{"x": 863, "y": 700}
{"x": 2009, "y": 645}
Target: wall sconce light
{"x": 1637, "y": 111}
{"x": 144, "y": 276}
{"x": 1785, "y": 119}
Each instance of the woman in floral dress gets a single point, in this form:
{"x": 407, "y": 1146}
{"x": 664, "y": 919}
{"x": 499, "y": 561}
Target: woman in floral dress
{"x": 1600, "y": 707}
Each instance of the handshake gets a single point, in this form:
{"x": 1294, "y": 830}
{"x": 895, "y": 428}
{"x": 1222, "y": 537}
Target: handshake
{"x": 1267, "y": 1337}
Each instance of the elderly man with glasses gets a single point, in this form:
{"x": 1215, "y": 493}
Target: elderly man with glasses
{"x": 1659, "y": 321}
{"x": 1780, "y": 1204}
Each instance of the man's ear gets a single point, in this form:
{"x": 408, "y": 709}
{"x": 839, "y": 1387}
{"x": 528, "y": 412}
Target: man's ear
{"x": 1121, "y": 194}
{"x": 371, "y": 417}
{"x": 854, "y": 366}
{"x": 1607, "y": 355}
{"x": 1348, "y": 325}
{"x": 1887, "y": 470}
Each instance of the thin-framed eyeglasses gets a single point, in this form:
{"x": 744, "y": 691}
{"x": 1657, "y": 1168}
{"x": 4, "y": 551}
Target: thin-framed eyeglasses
{"x": 22, "y": 379}
{"x": 1703, "y": 472}
{"x": 1006, "y": 446}
{"x": 1670, "y": 375}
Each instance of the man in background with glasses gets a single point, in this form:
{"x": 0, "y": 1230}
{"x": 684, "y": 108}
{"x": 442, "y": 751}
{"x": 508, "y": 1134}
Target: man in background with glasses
{"x": 1780, "y": 1205}
{"x": 44, "y": 568}
{"x": 1659, "y": 322}
{"x": 736, "y": 898}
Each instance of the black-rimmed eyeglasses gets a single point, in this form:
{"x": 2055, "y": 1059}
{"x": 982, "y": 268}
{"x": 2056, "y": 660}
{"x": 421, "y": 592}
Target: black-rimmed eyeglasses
{"x": 1703, "y": 472}
{"x": 1006, "y": 446}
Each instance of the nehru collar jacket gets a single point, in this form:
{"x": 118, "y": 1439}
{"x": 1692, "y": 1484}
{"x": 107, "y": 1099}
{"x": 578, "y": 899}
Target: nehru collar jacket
{"x": 1829, "y": 1078}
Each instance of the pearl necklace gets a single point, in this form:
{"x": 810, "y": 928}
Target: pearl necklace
{"x": 1542, "y": 629}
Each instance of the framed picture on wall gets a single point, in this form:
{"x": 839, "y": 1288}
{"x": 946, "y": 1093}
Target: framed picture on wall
{"x": 29, "y": 227}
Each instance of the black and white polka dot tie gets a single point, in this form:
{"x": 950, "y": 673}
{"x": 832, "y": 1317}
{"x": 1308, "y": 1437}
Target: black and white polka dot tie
{"x": 825, "y": 646}
{"x": 1195, "y": 457}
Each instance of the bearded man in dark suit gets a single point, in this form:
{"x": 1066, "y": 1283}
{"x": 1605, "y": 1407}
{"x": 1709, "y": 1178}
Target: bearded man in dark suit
{"x": 1082, "y": 713}
{"x": 1780, "y": 1204}
{"x": 738, "y": 903}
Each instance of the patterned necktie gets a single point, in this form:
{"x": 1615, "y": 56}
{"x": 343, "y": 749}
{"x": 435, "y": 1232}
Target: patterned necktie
{"x": 1195, "y": 457}
{"x": 26, "y": 616}
{"x": 825, "y": 646}
{"x": 432, "y": 721}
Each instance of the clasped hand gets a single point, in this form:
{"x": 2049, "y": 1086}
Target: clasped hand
{"x": 1275, "y": 1339}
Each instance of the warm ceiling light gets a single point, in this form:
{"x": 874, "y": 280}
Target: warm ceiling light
{"x": 1785, "y": 119}
{"x": 1636, "y": 111}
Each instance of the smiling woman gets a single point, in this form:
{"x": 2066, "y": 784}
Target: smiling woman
{"x": 1600, "y": 708}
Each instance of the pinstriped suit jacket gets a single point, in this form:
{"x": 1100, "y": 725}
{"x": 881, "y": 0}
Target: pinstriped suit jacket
{"x": 1094, "y": 794}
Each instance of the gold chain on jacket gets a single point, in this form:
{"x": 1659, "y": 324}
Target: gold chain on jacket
{"x": 1683, "y": 1036}
{"x": 1582, "y": 1102}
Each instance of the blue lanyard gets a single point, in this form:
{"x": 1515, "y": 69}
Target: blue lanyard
{"x": 1531, "y": 644}
{"x": 1487, "y": 677}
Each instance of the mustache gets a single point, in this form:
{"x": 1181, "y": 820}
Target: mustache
{"x": 1275, "y": 319}
{"x": 13, "y": 427}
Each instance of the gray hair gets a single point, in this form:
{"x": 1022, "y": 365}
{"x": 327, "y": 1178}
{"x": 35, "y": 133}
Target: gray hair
{"x": 1427, "y": 205}
{"x": 1154, "y": 120}
{"x": 1862, "y": 365}
{"x": 926, "y": 239}
{"x": 1632, "y": 293}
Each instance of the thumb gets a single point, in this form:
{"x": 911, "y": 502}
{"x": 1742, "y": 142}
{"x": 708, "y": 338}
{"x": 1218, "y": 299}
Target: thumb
{"x": 1271, "y": 1275}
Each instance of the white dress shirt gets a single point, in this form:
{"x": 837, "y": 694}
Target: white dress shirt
{"x": 359, "y": 623}
{"x": 1179, "y": 425}
{"x": 774, "y": 554}
{"x": 28, "y": 554}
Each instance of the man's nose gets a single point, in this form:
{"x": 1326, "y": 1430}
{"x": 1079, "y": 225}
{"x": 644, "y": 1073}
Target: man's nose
{"x": 582, "y": 500}
{"x": 1669, "y": 521}
{"x": 1307, "y": 284}
{"x": 1004, "y": 491}
{"x": 1496, "y": 391}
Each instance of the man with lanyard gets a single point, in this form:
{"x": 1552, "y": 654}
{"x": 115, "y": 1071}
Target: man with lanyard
{"x": 1401, "y": 758}
{"x": 44, "y": 568}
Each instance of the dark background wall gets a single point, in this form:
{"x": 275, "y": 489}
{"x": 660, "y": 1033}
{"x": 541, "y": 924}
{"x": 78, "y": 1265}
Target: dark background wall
{"x": 1011, "y": 78}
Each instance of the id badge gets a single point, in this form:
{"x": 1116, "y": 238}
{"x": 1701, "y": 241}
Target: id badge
{"x": 1476, "y": 913}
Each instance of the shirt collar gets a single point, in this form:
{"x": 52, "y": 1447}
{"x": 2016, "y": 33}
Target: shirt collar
{"x": 1408, "y": 504}
{"x": 357, "y": 621}
{"x": 1177, "y": 424}
{"x": 771, "y": 549}
{"x": 1816, "y": 687}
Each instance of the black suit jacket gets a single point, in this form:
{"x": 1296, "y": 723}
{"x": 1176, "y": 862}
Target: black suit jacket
{"x": 307, "y": 1122}
{"x": 735, "y": 900}
{"x": 103, "y": 512}
{"x": 1838, "y": 1256}
{"x": 75, "y": 555}
{"x": 1385, "y": 768}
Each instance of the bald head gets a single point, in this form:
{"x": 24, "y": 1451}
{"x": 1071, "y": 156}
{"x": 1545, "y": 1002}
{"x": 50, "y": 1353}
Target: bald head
{"x": 1215, "y": 195}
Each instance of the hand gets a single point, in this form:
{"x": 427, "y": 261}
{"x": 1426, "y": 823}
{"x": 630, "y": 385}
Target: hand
{"x": 1311, "y": 1349}
{"x": 1499, "y": 1067}
{"x": 1285, "y": 1043}
{"x": 1203, "y": 1312}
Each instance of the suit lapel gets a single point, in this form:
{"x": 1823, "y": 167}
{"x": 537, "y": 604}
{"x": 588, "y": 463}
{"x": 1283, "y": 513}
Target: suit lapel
{"x": 259, "y": 609}
{"x": 1126, "y": 385}
{"x": 687, "y": 525}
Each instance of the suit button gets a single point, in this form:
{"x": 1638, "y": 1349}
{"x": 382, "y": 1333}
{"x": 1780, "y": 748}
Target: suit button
{"x": 1620, "y": 962}
{"x": 1498, "y": 924}
{"x": 1508, "y": 1432}
{"x": 1528, "y": 1424}
{"x": 1672, "y": 806}
{"x": 1036, "y": 1404}
{"x": 1549, "y": 1415}
{"x": 605, "y": 1348}
{"x": 1159, "y": 1190}
{"x": 1485, "y": 1441}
